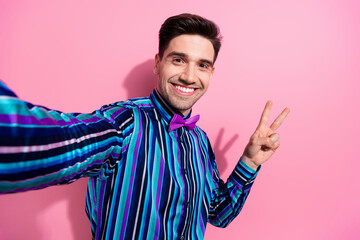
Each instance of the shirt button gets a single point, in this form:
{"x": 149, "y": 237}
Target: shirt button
{"x": 185, "y": 171}
{"x": 182, "y": 237}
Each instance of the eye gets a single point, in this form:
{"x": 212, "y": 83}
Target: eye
{"x": 204, "y": 66}
{"x": 177, "y": 60}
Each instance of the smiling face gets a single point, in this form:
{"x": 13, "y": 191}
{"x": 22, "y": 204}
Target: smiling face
{"x": 185, "y": 71}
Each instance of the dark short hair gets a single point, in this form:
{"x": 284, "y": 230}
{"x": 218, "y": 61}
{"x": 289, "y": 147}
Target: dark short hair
{"x": 188, "y": 24}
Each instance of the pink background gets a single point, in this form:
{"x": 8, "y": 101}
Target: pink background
{"x": 78, "y": 55}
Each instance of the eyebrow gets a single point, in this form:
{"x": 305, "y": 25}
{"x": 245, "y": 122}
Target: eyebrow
{"x": 180, "y": 54}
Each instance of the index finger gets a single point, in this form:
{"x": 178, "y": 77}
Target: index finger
{"x": 279, "y": 120}
{"x": 265, "y": 114}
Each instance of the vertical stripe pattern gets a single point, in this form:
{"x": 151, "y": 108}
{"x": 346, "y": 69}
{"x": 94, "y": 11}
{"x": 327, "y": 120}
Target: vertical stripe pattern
{"x": 144, "y": 181}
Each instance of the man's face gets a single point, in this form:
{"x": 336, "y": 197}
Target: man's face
{"x": 185, "y": 71}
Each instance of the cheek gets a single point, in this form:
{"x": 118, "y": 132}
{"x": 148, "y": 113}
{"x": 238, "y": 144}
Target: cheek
{"x": 170, "y": 71}
{"x": 206, "y": 81}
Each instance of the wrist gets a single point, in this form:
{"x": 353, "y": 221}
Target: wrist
{"x": 249, "y": 162}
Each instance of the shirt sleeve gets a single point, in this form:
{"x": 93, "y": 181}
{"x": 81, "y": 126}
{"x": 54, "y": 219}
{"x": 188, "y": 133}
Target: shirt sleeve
{"x": 40, "y": 147}
{"x": 228, "y": 198}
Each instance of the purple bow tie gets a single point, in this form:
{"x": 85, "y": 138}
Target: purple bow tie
{"x": 177, "y": 121}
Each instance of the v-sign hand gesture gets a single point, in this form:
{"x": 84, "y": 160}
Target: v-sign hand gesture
{"x": 264, "y": 141}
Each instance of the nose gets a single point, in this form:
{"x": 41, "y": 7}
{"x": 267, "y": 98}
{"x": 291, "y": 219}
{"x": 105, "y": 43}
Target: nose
{"x": 189, "y": 74}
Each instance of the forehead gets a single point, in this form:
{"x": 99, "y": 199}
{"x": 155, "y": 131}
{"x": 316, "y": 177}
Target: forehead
{"x": 193, "y": 46}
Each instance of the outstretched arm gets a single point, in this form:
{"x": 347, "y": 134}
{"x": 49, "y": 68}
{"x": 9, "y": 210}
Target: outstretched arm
{"x": 40, "y": 147}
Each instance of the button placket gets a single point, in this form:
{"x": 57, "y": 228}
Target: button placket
{"x": 185, "y": 171}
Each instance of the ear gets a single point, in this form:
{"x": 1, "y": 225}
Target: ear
{"x": 156, "y": 64}
{"x": 212, "y": 71}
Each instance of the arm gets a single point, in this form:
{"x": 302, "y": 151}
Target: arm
{"x": 228, "y": 198}
{"x": 40, "y": 147}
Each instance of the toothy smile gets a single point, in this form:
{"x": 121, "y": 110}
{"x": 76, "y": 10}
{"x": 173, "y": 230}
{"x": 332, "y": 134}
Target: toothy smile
{"x": 184, "y": 89}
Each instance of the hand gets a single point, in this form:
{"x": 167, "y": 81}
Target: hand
{"x": 264, "y": 142}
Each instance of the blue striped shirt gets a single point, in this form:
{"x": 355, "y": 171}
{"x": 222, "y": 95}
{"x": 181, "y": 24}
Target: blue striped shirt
{"x": 145, "y": 182}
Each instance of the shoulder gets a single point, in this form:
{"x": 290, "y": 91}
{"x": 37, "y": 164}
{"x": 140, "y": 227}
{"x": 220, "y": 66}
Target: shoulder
{"x": 129, "y": 105}
{"x": 142, "y": 104}
{"x": 121, "y": 111}
{"x": 200, "y": 131}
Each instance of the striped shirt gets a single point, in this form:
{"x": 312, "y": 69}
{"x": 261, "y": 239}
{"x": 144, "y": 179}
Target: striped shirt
{"x": 145, "y": 182}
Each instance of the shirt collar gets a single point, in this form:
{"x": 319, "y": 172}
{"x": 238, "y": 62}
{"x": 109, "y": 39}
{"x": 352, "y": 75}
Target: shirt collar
{"x": 164, "y": 108}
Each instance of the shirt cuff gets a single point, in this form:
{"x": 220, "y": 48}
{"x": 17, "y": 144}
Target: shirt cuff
{"x": 243, "y": 174}
{"x": 243, "y": 165}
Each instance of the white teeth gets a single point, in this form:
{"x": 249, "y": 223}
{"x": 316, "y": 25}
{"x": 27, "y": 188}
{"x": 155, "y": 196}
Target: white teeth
{"x": 184, "y": 89}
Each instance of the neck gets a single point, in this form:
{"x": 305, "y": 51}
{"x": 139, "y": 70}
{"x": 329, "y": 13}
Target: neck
{"x": 182, "y": 113}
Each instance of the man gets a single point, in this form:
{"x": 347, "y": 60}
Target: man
{"x": 152, "y": 172}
